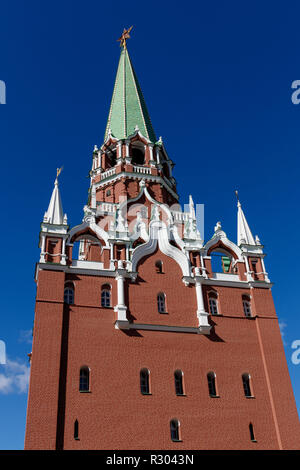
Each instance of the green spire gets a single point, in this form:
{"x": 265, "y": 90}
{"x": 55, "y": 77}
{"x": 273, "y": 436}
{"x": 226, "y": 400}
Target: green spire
{"x": 128, "y": 108}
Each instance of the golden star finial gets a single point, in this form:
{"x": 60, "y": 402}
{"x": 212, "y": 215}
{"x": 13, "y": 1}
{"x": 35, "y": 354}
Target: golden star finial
{"x": 125, "y": 35}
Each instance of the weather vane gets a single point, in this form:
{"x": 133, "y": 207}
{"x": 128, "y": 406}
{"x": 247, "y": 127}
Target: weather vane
{"x": 58, "y": 171}
{"x": 124, "y": 37}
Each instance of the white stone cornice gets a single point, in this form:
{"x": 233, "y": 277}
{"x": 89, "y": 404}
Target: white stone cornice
{"x": 205, "y": 330}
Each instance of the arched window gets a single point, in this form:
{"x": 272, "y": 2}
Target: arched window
{"x": 247, "y": 385}
{"x": 161, "y": 302}
{"x": 213, "y": 303}
{"x": 211, "y": 381}
{"x": 106, "y": 295}
{"x": 158, "y": 266}
{"x": 69, "y": 295}
{"x": 144, "y": 381}
{"x": 251, "y": 430}
{"x": 178, "y": 377}
{"x": 84, "y": 379}
{"x": 76, "y": 430}
{"x": 247, "y": 306}
{"x": 174, "y": 429}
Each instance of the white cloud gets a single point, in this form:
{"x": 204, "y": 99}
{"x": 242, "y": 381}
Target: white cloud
{"x": 14, "y": 377}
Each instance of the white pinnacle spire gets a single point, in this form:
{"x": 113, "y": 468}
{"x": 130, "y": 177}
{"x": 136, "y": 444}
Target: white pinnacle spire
{"x": 54, "y": 214}
{"x": 244, "y": 234}
{"x": 192, "y": 208}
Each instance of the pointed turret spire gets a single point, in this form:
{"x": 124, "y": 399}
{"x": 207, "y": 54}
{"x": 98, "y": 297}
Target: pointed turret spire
{"x": 128, "y": 109}
{"x": 244, "y": 234}
{"x": 54, "y": 214}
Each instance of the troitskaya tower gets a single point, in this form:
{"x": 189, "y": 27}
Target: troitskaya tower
{"x": 145, "y": 335}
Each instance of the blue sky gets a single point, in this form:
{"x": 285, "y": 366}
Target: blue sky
{"x": 217, "y": 79}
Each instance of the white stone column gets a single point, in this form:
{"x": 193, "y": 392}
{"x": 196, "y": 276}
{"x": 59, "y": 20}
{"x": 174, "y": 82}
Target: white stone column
{"x": 264, "y": 270}
{"x": 201, "y": 313}
{"x": 151, "y": 160}
{"x": 249, "y": 275}
{"x": 63, "y": 252}
{"x": 157, "y": 155}
{"x": 120, "y": 308}
{"x": 42, "y": 257}
{"x": 203, "y": 268}
{"x": 127, "y": 156}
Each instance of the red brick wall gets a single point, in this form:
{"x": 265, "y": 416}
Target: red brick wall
{"x": 114, "y": 415}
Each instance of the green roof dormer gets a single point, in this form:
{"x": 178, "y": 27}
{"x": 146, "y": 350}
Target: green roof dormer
{"x": 128, "y": 108}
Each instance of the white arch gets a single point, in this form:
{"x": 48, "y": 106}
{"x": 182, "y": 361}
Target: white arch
{"x": 158, "y": 234}
{"x": 98, "y": 231}
{"x": 227, "y": 243}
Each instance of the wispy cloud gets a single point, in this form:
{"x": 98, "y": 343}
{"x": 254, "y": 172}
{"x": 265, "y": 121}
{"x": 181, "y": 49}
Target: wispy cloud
{"x": 282, "y": 326}
{"x": 14, "y": 377}
{"x": 25, "y": 336}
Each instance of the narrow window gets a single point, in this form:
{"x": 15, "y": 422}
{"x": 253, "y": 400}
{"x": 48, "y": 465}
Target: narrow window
{"x": 254, "y": 268}
{"x": 247, "y": 306}
{"x": 247, "y": 385}
{"x": 76, "y": 430}
{"x": 84, "y": 379}
{"x": 144, "y": 382}
{"x": 69, "y": 295}
{"x": 178, "y": 376}
{"x": 161, "y": 302}
{"x": 158, "y": 267}
{"x": 174, "y": 429}
{"x": 252, "y": 437}
{"x": 106, "y": 296}
{"x": 213, "y": 305}
{"x": 211, "y": 380}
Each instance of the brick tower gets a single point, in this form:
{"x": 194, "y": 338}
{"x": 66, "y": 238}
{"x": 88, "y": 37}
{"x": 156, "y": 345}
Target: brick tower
{"x": 145, "y": 336}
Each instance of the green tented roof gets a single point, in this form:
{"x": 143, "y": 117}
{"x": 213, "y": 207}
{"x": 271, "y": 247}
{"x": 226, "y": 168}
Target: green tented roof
{"x": 128, "y": 108}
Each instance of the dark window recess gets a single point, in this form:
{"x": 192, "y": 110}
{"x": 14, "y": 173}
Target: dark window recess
{"x": 144, "y": 382}
{"x": 69, "y": 295}
{"x": 211, "y": 380}
{"x": 161, "y": 303}
{"x": 246, "y": 385}
{"x": 137, "y": 156}
{"x": 252, "y": 437}
{"x": 178, "y": 376}
{"x": 105, "y": 297}
{"x": 84, "y": 379}
{"x": 174, "y": 429}
{"x": 158, "y": 267}
{"x": 76, "y": 430}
